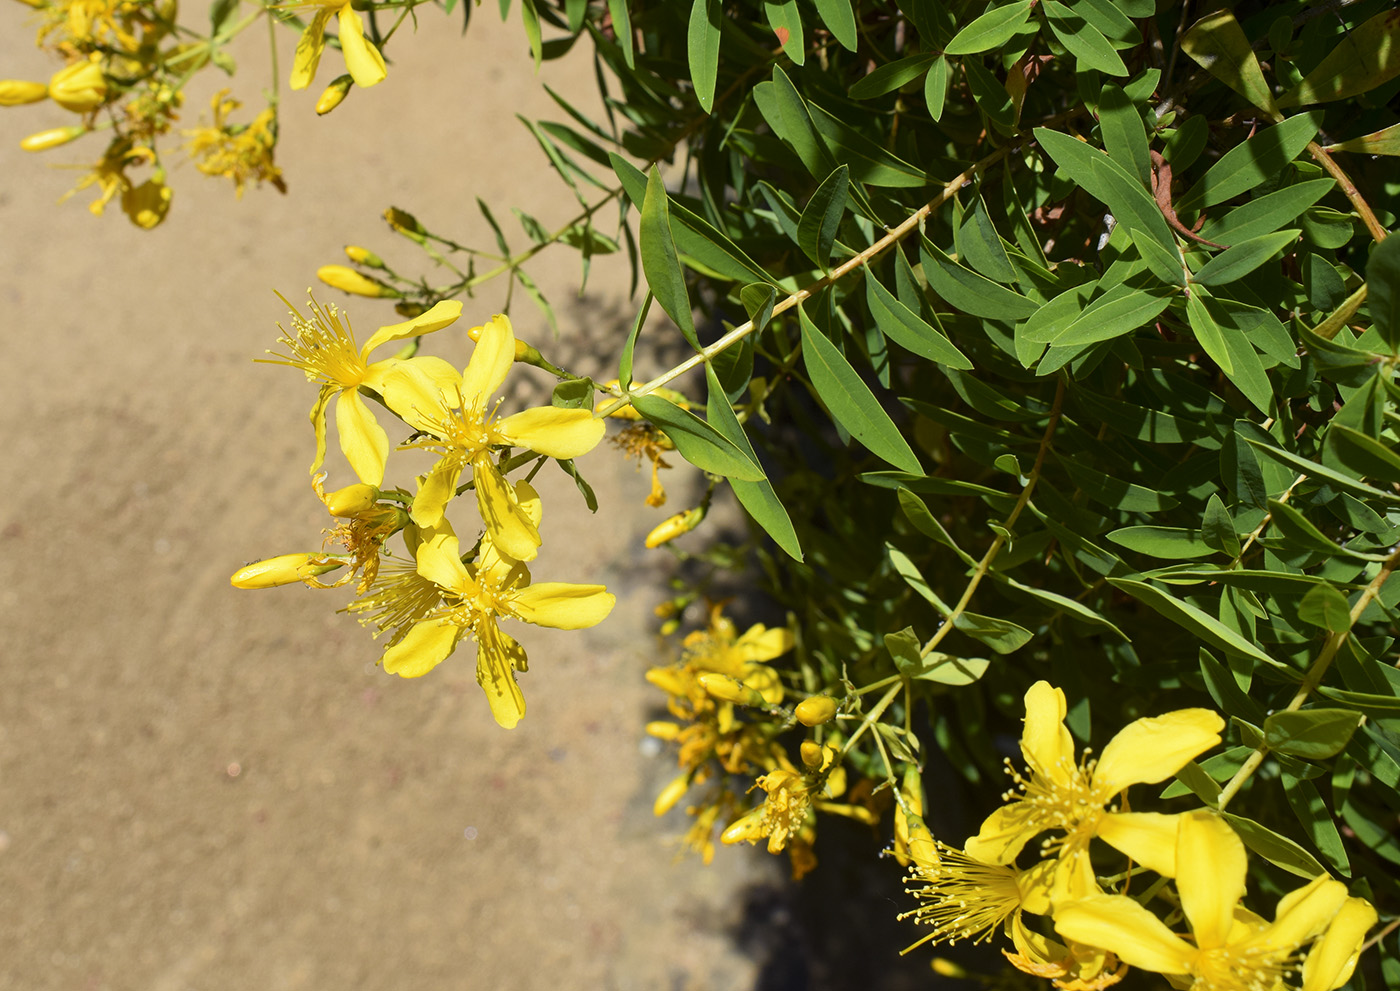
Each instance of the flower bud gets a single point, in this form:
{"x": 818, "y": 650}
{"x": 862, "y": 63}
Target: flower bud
{"x": 728, "y": 689}
{"x": 283, "y": 570}
{"x": 674, "y": 526}
{"x": 410, "y": 310}
{"x": 671, "y": 794}
{"x": 816, "y": 710}
{"x": 668, "y": 680}
{"x": 669, "y": 627}
{"x": 811, "y": 752}
{"x": 663, "y": 730}
{"x": 14, "y": 92}
{"x": 748, "y": 828}
{"x": 334, "y": 94}
{"x": 346, "y": 279}
{"x": 947, "y": 968}
{"x": 406, "y": 224}
{"x": 52, "y": 138}
{"x": 363, "y": 256}
{"x": 352, "y": 500}
{"x": 80, "y": 87}
{"x": 147, "y": 204}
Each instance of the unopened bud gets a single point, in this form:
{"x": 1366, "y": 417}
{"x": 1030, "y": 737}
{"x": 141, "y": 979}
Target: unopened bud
{"x": 80, "y": 87}
{"x": 52, "y": 138}
{"x": 671, "y": 794}
{"x": 748, "y": 828}
{"x": 14, "y": 92}
{"x": 352, "y": 500}
{"x": 523, "y": 351}
{"x": 363, "y": 256}
{"x": 816, "y": 710}
{"x": 147, "y": 204}
{"x": 728, "y": 689}
{"x": 947, "y": 968}
{"x": 346, "y": 279}
{"x": 334, "y": 94}
{"x": 674, "y": 526}
{"x": 668, "y": 680}
{"x": 283, "y": 570}
{"x": 663, "y": 730}
{"x": 811, "y": 752}
{"x": 406, "y": 224}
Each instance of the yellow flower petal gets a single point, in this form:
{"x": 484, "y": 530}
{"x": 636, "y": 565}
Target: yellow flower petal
{"x": 435, "y": 491}
{"x": 423, "y": 648}
{"x": 318, "y": 423}
{"x": 556, "y": 433}
{"x": 362, "y": 59}
{"x": 1211, "y": 866}
{"x": 759, "y": 644}
{"x": 1045, "y": 743}
{"x": 490, "y": 361}
{"x": 497, "y": 657}
{"x": 1303, "y": 914}
{"x": 1123, "y": 927}
{"x": 1150, "y": 750}
{"x": 507, "y": 523}
{"x": 563, "y": 606}
{"x": 1003, "y": 834}
{"x": 309, "y": 48}
{"x": 414, "y": 389}
{"x": 1149, "y": 838}
{"x": 1333, "y": 957}
{"x": 364, "y": 441}
{"x": 443, "y": 314}
{"x": 440, "y": 558}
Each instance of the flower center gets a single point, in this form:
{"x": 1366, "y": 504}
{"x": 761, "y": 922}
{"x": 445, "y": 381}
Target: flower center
{"x": 1238, "y": 968}
{"x": 322, "y": 347}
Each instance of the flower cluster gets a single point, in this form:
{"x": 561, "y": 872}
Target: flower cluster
{"x": 431, "y": 600}
{"x": 1090, "y": 932}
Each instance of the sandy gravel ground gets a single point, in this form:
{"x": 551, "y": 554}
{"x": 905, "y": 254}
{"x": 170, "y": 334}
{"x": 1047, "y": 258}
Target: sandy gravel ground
{"x": 202, "y": 788}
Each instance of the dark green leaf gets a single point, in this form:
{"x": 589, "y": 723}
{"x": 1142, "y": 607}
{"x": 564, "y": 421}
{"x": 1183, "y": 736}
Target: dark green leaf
{"x": 702, "y": 44}
{"x": 1240, "y": 259}
{"x": 624, "y": 365}
{"x": 992, "y": 30}
{"x": 659, "y": 261}
{"x": 1165, "y": 264}
{"x": 1277, "y": 850}
{"x": 1168, "y": 543}
{"x": 850, "y": 400}
{"x": 891, "y": 76}
{"x": 816, "y": 228}
{"x": 1252, "y": 162}
{"x": 1119, "y": 311}
{"x": 970, "y": 292}
{"x": 1383, "y": 283}
{"x": 936, "y": 87}
{"x": 622, "y": 28}
{"x": 786, "y": 22}
{"x": 1219, "y": 45}
{"x": 1324, "y": 606}
{"x": 1123, "y": 136}
{"x": 1312, "y": 734}
{"x": 1364, "y": 455}
{"x": 1316, "y": 818}
{"x": 917, "y": 513}
{"x": 1365, "y": 57}
{"x": 1301, "y": 531}
{"x": 1083, "y": 40}
{"x": 840, "y": 20}
{"x": 698, "y": 442}
{"x": 1267, "y": 213}
{"x": 905, "y": 327}
{"x": 1001, "y": 635}
{"x": 589, "y": 499}
{"x": 1190, "y": 618}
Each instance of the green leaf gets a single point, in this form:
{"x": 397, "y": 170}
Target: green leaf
{"x": 1267, "y": 213}
{"x": 909, "y": 571}
{"x": 698, "y": 442}
{"x": 1201, "y": 784}
{"x": 850, "y": 400}
{"x": 1059, "y": 603}
{"x": 573, "y": 394}
{"x": 1119, "y": 311}
{"x": 1166, "y": 265}
{"x": 758, "y": 498}
{"x": 816, "y": 228}
{"x": 1230, "y": 349}
{"x": 622, "y": 28}
{"x": 1083, "y": 40}
{"x": 906, "y": 328}
{"x": 798, "y": 129}
{"x": 945, "y": 669}
{"x": 916, "y": 511}
{"x": 1300, "y": 531}
{"x": 1386, "y": 141}
{"x": 624, "y": 364}
{"x": 868, "y": 161}
{"x": 1190, "y": 618}
{"x": 1366, "y": 57}
{"x": 1001, "y": 635}
{"x": 1240, "y": 259}
{"x": 1362, "y": 454}
{"x": 1168, "y": 543}
{"x": 702, "y": 45}
{"x": 1383, "y": 283}
{"x": 1315, "y": 816}
{"x": 1277, "y": 850}
{"x": 989, "y": 93}
{"x": 786, "y": 22}
{"x": 891, "y": 76}
{"x": 1106, "y": 180}
{"x": 758, "y": 300}
{"x": 992, "y": 30}
{"x": 1317, "y": 471}
{"x": 659, "y": 261}
{"x": 1115, "y": 492}
{"x": 589, "y": 498}
{"x": 970, "y": 292}
{"x": 1324, "y": 606}
{"x": 1218, "y": 528}
{"x": 1218, "y": 44}
{"x": 1312, "y": 734}
{"x": 936, "y": 87}
{"x": 1378, "y": 706}
{"x": 1252, "y": 162}
{"x": 904, "y": 648}
{"x": 980, "y": 246}
{"x": 531, "y": 18}
{"x": 840, "y": 20}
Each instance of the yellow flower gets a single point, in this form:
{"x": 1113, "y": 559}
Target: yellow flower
{"x": 324, "y": 348}
{"x": 1332, "y": 959}
{"x": 1072, "y": 797}
{"x": 967, "y": 899}
{"x": 237, "y": 151}
{"x": 16, "y": 92}
{"x": 109, "y": 174}
{"x": 346, "y": 279}
{"x": 362, "y": 59}
{"x": 474, "y": 597}
{"x": 80, "y": 87}
{"x": 285, "y": 569}
{"x": 52, "y": 137}
{"x": 1232, "y": 948}
{"x": 460, "y": 421}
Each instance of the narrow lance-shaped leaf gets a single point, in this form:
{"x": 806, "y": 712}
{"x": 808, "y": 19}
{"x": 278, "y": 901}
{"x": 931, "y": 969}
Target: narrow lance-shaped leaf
{"x": 1218, "y": 44}
{"x": 1383, "y": 284}
{"x": 659, "y": 261}
{"x": 698, "y": 442}
{"x": 816, "y": 228}
{"x": 906, "y": 328}
{"x": 1367, "y": 56}
{"x": 891, "y": 76}
{"x": 702, "y": 45}
{"x": 850, "y": 400}
{"x": 840, "y": 20}
{"x": 622, "y": 28}
{"x": 1239, "y": 260}
{"x": 992, "y": 30}
{"x": 786, "y": 22}
{"x": 1083, "y": 40}
{"x": 1312, "y": 734}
